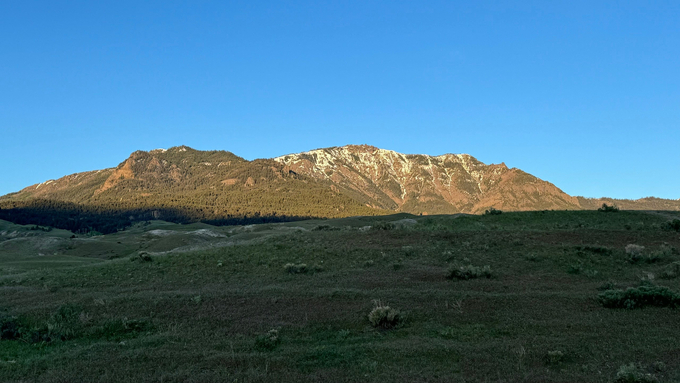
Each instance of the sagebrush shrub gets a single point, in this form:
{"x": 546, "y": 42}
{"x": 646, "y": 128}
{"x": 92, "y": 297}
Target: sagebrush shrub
{"x": 268, "y": 341}
{"x": 609, "y": 285}
{"x": 635, "y": 253}
{"x": 554, "y": 357}
{"x": 575, "y": 268}
{"x": 633, "y": 249}
{"x": 142, "y": 256}
{"x": 10, "y": 328}
{"x": 469, "y": 272}
{"x": 383, "y": 226}
{"x": 673, "y": 225}
{"x": 632, "y": 373}
{"x": 665, "y": 250}
{"x": 300, "y": 268}
{"x": 325, "y": 228}
{"x": 641, "y": 296}
{"x": 671, "y": 271}
{"x": 385, "y": 317}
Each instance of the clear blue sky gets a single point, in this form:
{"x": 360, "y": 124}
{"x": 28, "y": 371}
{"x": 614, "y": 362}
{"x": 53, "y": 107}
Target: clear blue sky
{"x": 584, "y": 94}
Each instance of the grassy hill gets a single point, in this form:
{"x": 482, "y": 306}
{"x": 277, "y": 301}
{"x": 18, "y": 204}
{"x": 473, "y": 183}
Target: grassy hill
{"x": 163, "y": 302}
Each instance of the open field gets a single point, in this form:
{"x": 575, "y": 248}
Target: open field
{"x": 161, "y": 302}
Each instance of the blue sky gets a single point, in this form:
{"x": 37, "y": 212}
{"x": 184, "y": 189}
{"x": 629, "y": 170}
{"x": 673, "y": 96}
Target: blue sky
{"x": 584, "y": 94}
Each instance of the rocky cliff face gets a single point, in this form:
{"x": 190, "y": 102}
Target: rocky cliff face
{"x": 448, "y": 183}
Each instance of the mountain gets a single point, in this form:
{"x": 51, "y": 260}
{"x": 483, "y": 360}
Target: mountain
{"x": 180, "y": 185}
{"x": 186, "y": 185}
{"x": 414, "y": 183}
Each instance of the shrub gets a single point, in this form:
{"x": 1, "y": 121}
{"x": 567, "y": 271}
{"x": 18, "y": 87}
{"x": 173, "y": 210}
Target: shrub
{"x": 634, "y": 250}
{"x": 383, "y": 226}
{"x": 575, "y": 268}
{"x": 671, "y": 271}
{"x": 608, "y": 209}
{"x": 385, "y": 317}
{"x": 659, "y": 366}
{"x": 300, "y": 268}
{"x": 469, "y": 272}
{"x": 493, "y": 211}
{"x": 609, "y": 285}
{"x": 554, "y": 357}
{"x": 635, "y": 253}
{"x": 632, "y": 373}
{"x": 637, "y": 297}
{"x": 653, "y": 257}
{"x": 268, "y": 341}
{"x": 666, "y": 250}
{"x": 10, "y": 329}
{"x": 68, "y": 322}
{"x": 673, "y": 225}
{"x": 64, "y": 324}
{"x": 325, "y": 228}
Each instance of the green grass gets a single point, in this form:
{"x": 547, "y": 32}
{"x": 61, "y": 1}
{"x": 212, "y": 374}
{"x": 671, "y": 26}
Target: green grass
{"x": 204, "y": 307}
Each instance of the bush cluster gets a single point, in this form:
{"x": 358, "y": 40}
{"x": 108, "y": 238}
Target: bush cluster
{"x": 672, "y": 271}
{"x": 469, "y": 272}
{"x": 68, "y": 322}
{"x": 383, "y": 226}
{"x": 385, "y": 317}
{"x": 144, "y": 256}
{"x": 636, "y": 253}
{"x": 637, "y": 297}
{"x": 632, "y": 373}
{"x": 608, "y": 209}
{"x": 292, "y": 268}
{"x": 673, "y": 225}
{"x": 268, "y": 341}
{"x": 325, "y": 228}
{"x": 554, "y": 357}
{"x": 10, "y": 328}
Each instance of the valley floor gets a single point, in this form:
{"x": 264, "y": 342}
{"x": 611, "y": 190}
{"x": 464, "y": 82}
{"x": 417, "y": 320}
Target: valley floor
{"x": 161, "y": 302}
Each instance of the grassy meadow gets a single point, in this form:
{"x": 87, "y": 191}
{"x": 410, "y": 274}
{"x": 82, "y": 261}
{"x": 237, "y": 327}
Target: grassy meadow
{"x": 548, "y": 296}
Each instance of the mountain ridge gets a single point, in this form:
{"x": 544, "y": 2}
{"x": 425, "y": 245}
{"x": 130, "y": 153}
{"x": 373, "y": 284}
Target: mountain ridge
{"x": 405, "y": 182}
{"x": 182, "y": 184}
